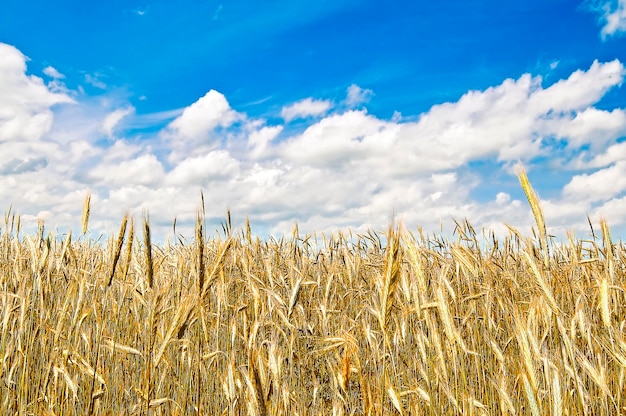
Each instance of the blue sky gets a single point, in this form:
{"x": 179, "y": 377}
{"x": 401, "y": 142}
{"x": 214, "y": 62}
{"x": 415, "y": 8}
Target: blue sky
{"x": 332, "y": 114}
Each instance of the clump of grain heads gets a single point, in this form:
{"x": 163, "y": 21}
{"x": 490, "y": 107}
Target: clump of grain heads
{"x": 339, "y": 324}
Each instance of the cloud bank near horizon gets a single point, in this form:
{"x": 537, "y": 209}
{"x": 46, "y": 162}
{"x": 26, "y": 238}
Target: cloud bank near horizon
{"x": 341, "y": 167}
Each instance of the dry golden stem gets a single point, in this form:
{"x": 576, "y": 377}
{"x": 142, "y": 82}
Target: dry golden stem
{"x": 148, "y": 250}
{"x": 390, "y": 277}
{"x": 118, "y": 248}
{"x": 535, "y": 206}
{"x": 129, "y": 247}
{"x": 200, "y": 254}
{"x": 86, "y": 209}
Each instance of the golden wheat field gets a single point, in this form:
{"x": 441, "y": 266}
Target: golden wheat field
{"x": 391, "y": 323}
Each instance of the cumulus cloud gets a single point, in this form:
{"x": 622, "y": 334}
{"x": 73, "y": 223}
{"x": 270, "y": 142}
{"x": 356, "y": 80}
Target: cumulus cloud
{"x": 259, "y": 140}
{"x": 112, "y": 119}
{"x": 591, "y": 160}
{"x": 614, "y": 210}
{"x": 344, "y": 168}
{"x": 512, "y": 120}
{"x": 17, "y": 166}
{"x": 340, "y": 139}
{"x": 204, "y": 115}
{"x": 25, "y": 102}
{"x": 600, "y": 185}
{"x": 201, "y": 128}
{"x": 594, "y": 127}
{"x": 390, "y": 161}
{"x": 53, "y": 73}
{"x": 517, "y": 119}
{"x": 95, "y": 80}
{"x": 305, "y": 108}
{"x": 581, "y": 88}
{"x": 612, "y": 15}
{"x": 145, "y": 169}
{"x": 357, "y": 95}
{"x": 215, "y": 165}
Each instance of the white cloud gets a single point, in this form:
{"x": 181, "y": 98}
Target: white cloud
{"x": 503, "y": 198}
{"x": 259, "y": 140}
{"x": 612, "y": 16}
{"x": 53, "y": 73}
{"x": 305, "y": 108}
{"x": 612, "y": 154}
{"x": 201, "y": 128}
{"x": 615, "y": 20}
{"x": 339, "y": 139}
{"x": 563, "y": 215}
{"x": 357, "y": 95}
{"x": 200, "y": 118}
{"x": 581, "y": 88}
{"x": 122, "y": 150}
{"x": 151, "y": 119}
{"x": 598, "y": 186}
{"x": 216, "y": 165}
{"x": 143, "y": 170}
{"x": 594, "y": 127}
{"x": 511, "y": 121}
{"x": 25, "y": 102}
{"x": 18, "y": 166}
{"x": 95, "y": 80}
{"x": 614, "y": 210}
{"x": 112, "y": 119}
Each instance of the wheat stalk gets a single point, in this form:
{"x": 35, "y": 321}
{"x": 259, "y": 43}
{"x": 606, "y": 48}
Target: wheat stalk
{"x": 148, "y": 250}
{"x": 129, "y": 247}
{"x": 200, "y": 251}
{"x": 535, "y": 206}
{"x": 86, "y": 210}
{"x": 118, "y": 248}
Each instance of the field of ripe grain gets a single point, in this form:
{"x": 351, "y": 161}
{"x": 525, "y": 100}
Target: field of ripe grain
{"x": 391, "y": 323}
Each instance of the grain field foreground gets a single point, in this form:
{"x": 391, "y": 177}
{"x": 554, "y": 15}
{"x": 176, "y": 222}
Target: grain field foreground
{"x": 391, "y": 323}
